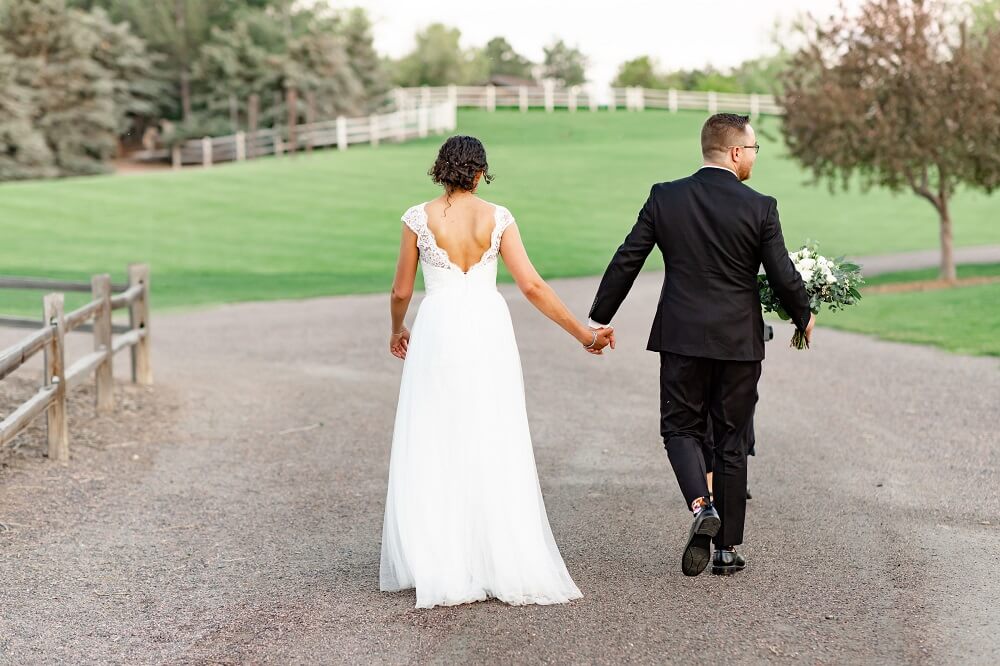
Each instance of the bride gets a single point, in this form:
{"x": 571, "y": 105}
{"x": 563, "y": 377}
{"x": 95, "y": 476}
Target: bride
{"x": 464, "y": 516}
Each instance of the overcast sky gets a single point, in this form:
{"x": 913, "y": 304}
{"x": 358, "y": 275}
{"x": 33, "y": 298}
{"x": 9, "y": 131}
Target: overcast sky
{"x": 679, "y": 33}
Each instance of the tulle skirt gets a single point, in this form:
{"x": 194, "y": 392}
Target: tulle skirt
{"x": 464, "y": 516}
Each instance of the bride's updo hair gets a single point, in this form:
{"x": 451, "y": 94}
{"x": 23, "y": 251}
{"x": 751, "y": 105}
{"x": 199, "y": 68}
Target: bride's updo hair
{"x": 458, "y": 162}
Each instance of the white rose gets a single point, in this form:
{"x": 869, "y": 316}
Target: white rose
{"x": 830, "y": 278}
{"x": 808, "y": 263}
{"x": 806, "y": 274}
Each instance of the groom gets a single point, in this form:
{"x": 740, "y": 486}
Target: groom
{"x": 714, "y": 233}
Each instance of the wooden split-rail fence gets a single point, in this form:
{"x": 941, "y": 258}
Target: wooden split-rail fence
{"x": 49, "y": 338}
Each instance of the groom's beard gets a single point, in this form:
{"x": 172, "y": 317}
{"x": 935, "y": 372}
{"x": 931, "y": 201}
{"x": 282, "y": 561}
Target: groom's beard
{"x": 744, "y": 172}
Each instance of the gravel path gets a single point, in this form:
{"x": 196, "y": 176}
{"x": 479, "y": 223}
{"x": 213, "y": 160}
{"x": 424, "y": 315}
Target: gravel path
{"x": 236, "y": 515}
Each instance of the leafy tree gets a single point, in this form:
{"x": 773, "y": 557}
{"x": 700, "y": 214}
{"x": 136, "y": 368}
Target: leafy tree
{"x": 984, "y": 15}
{"x": 364, "y": 60}
{"x": 504, "y": 60}
{"x": 439, "y": 60}
{"x": 641, "y": 71}
{"x": 899, "y": 97}
{"x": 565, "y": 64}
{"x": 318, "y": 62}
{"x": 761, "y": 75}
{"x": 178, "y": 29}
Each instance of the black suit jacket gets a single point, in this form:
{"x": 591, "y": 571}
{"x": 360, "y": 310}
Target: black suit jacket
{"x": 714, "y": 233}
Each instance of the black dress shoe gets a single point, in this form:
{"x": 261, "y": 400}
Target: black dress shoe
{"x": 698, "y": 550}
{"x": 727, "y": 562}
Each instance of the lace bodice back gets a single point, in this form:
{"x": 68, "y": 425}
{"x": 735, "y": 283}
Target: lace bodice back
{"x": 439, "y": 270}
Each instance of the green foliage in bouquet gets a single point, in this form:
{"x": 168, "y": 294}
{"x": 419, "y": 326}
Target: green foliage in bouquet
{"x": 833, "y": 282}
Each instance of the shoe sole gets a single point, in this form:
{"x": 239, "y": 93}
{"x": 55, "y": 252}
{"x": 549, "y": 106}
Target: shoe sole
{"x": 698, "y": 551}
{"x": 726, "y": 571}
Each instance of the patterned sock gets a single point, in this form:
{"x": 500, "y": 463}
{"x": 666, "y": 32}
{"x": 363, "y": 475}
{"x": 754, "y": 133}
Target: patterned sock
{"x": 698, "y": 505}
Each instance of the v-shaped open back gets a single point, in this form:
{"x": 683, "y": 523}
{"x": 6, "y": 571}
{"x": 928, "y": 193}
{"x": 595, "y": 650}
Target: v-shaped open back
{"x": 432, "y": 254}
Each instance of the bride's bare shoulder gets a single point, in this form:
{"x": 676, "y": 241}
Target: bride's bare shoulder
{"x": 491, "y": 207}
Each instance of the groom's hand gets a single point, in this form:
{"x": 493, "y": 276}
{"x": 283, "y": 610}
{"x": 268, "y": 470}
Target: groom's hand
{"x": 809, "y": 328}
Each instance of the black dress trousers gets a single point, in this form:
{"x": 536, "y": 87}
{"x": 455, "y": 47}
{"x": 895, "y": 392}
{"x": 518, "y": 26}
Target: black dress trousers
{"x": 692, "y": 388}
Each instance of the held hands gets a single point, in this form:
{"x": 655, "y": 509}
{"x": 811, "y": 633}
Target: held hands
{"x": 398, "y": 343}
{"x": 604, "y": 337}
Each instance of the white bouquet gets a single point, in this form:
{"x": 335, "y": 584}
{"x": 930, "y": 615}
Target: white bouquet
{"x": 834, "y": 282}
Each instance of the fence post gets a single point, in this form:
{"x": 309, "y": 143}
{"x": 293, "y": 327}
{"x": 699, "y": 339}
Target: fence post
{"x": 491, "y": 97}
{"x": 612, "y": 100}
{"x": 423, "y": 121}
{"x": 754, "y": 106}
{"x": 592, "y": 97}
{"x": 400, "y": 95}
{"x": 522, "y": 98}
{"x": 453, "y": 94}
{"x": 425, "y": 95}
{"x": 571, "y": 102}
{"x": 672, "y": 100}
{"x": 310, "y": 119}
{"x": 549, "y": 96}
{"x": 713, "y": 103}
{"x": 373, "y": 130}
{"x": 241, "y": 146}
{"x": 234, "y": 113}
{"x": 100, "y": 289}
{"x": 640, "y": 99}
{"x": 55, "y": 373}
{"x": 206, "y": 151}
{"x": 138, "y": 314}
{"x": 175, "y": 156}
{"x": 279, "y": 145}
{"x": 341, "y": 133}
{"x": 292, "y": 106}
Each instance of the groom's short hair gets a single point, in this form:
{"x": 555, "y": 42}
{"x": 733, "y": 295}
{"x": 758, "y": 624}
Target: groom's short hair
{"x": 721, "y": 131}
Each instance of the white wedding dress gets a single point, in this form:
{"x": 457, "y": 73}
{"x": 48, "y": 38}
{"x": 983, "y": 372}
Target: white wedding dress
{"x": 464, "y": 516}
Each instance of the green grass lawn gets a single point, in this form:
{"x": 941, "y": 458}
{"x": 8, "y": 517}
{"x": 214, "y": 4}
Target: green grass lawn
{"x": 329, "y": 223}
{"x": 961, "y": 319}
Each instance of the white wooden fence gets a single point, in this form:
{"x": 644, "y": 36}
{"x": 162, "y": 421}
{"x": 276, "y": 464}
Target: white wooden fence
{"x": 550, "y": 97}
{"x": 420, "y": 112}
{"x": 409, "y": 122}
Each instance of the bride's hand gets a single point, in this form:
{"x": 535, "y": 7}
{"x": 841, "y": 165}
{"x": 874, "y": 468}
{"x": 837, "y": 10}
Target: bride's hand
{"x": 398, "y": 342}
{"x": 605, "y": 338}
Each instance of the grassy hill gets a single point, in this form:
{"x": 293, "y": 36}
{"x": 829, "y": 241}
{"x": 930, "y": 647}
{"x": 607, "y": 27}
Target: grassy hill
{"x": 329, "y": 223}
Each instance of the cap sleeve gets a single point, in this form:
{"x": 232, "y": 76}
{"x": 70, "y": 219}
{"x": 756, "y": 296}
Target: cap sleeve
{"x": 413, "y": 218}
{"x": 505, "y": 219}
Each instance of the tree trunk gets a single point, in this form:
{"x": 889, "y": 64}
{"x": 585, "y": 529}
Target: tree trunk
{"x": 185, "y": 95}
{"x": 947, "y": 251}
{"x": 180, "y": 22}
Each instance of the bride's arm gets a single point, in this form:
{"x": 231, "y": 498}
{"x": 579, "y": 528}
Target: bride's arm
{"x": 402, "y": 292}
{"x": 540, "y": 294}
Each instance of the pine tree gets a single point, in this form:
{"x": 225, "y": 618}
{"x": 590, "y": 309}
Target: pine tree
{"x": 364, "y": 60}
{"x": 23, "y": 150}
{"x": 73, "y": 101}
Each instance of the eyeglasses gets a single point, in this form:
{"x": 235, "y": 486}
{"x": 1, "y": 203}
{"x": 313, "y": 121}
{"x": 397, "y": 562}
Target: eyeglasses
{"x": 756, "y": 147}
